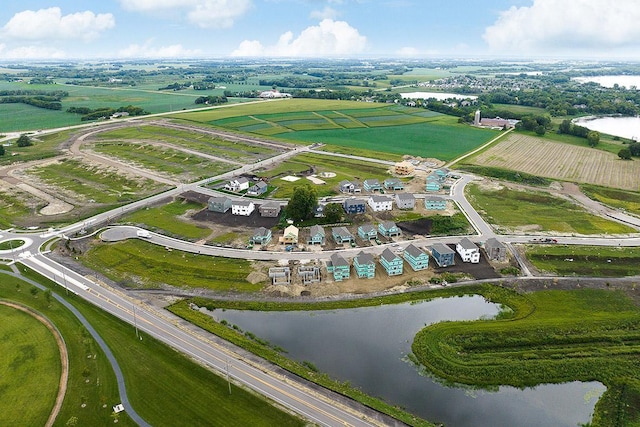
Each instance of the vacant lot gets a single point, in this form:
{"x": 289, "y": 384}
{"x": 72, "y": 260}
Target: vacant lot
{"x": 561, "y": 161}
{"x": 585, "y": 260}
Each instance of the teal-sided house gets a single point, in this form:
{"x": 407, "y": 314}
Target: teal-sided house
{"x": 364, "y": 265}
{"x": 433, "y": 183}
{"x": 391, "y": 262}
{"x": 435, "y": 203}
{"x": 342, "y": 235}
{"x": 367, "y": 232}
{"x": 339, "y": 267}
{"x": 389, "y": 229}
{"x": 261, "y": 236}
{"x": 442, "y": 173}
{"x": 372, "y": 185}
{"x": 316, "y": 235}
{"x": 393, "y": 184}
{"x": 417, "y": 259}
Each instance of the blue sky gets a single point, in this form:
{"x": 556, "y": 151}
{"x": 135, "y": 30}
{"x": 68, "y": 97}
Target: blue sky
{"x": 92, "y": 29}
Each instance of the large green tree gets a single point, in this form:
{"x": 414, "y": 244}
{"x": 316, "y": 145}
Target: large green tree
{"x": 624, "y": 154}
{"x": 1, "y": 150}
{"x": 333, "y": 212}
{"x": 593, "y": 137}
{"x": 24, "y": 141}
{"x": 302, "y": 203}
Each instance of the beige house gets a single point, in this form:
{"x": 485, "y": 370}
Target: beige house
{"x": 290, "y": 235}
{"x": 404, "y": 168}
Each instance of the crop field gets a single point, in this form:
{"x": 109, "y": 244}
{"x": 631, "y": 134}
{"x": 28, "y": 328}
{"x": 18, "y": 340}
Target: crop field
{"x": 167, "y": 220}
{"x": 153, "y": 267}
{"x": 343, "y": 168}
{"x": 194, "y": 140}
{"x": 626, "y": 200}
{"x": 566, "y": 162}
{"x": 528, "y": 211}
{"x": 29, "y": 368}
{"x": 184, "y": 167}
{"x": 89, "y": 182}
{"x": 585, "y": 260}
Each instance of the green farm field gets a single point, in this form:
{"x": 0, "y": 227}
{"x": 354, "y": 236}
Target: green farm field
{"x": 166, "y": 220}
{"x": 586, "y": 261}
{"x": 534, "y": 211}
{"x": 29, "y": 368}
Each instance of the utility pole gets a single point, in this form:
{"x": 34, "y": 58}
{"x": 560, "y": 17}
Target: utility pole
{"x": 228, "y": 380}
{"x": 135, "y": 320}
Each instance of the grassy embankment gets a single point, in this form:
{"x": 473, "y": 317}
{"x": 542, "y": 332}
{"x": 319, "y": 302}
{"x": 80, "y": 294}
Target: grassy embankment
{"x": 620, "y": 199}
{"x": 166, "y": 219}
{"x": 166, "y": 387}
{"x": 29, "y": 368}
{"x": 152, "y": 266}
{"x": 586, "y": 261}
{"x": 551, "y": 337}
{"x": 510, "y": 209}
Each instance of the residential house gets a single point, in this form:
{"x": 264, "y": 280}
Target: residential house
{"x": 280, "y": 275}
{"x": 372, "y": 184}
{"x": 365, "y": 266}
{"x": 393, "y": 184}
{"x": 417, "y": 259}
{"x": 290, "y": 235}
{"x": 270, "y": 209}
{"x": 442, "y": 173}
{"x": 468, "y": 251}
{"x": 433, "y": 183}
{"x": 443, "y": 254}
{"x": 391, "y": 262}
{"x": 495, "y": 250}
{"x": 354, "y": 206}
{"x": 219, "y": 204}
{"x": 309, "y": 274}
{"x": 405, "y": 201}
{"x": 318, "y": 211}
{"x": 389, "y": 229}
{"x": 316, "y": 235}
{"x": 339, "y": 267}
{"x": 261, "y": 236}
{"x": 341, "y": 235}
{"x": 257, "y": 189}
{"x": 346, "y": 186}
{"x": 238, "y": 184}
{"x": 367, "y": 232}
{"x": 242, "y": 207}
{"x": 435, "y": 203}
{"x": 404, "y": 168}
{"x": 380, "y": 203}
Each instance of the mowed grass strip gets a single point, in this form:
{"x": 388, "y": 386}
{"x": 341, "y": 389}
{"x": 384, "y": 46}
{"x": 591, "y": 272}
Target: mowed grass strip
{"x": 166, "y": 220}
{"x": 141, "y": 264}
{"x": 29, "y": 369}
{"x": 511, "y": 209}
{"x": 599, "y": 261}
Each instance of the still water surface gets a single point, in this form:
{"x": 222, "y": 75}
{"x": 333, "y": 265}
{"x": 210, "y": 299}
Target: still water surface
{"x": 626, "y": 127}
{"x": 368, "y": 347}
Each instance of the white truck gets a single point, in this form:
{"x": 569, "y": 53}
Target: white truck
{"x": 144, "y": 234}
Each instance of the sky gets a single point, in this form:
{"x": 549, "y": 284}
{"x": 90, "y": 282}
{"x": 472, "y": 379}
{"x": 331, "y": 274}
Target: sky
{"x": 135, "y": 29}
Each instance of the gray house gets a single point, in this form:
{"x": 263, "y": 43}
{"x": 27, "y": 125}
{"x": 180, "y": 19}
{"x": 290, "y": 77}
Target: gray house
{"x": 495, "y": 250}
{"x": 261, "y": 236}
{"x": 405, "y": 201}
{"x": 257, "y": 189}
{"x": 219, "y": 204}
{"x": 342, "y": 235}
{"x": 316, "y": 235}
{"x": 269, "y": 210}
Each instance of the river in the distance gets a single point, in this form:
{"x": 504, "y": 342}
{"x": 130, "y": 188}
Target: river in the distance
{"x": 369, "y": 346}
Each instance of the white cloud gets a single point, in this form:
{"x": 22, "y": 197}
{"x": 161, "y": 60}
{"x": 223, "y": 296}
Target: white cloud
{"x": 204, "y": 13}
{"x": 148, "y": 51}
{"x": 328, "y": 38}
{"x": 31, "y": 52}
{"x": 408, "y": 51}
{"x": 326, "y": 13}
{"x": 551, "y": 26}
{"x": 50, "y": 24}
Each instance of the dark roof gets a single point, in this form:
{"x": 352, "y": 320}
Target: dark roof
{"x": 388, "y": 225}
{"x": 467, "y": 244}
{"x": 338, "y": 261}
{"x": 365, "y": 258}
{"x": 367, "y": 228}
{"x": 261, "y": 231}
{"x": 341, "y": 231}
{"x": 388, "y": 255}
{"x": 413, "y": 251}
{"x": 405, "y": 196}
{"x": 380, "y": 199}
{"x": 316, "y": 229}
{"x": 442, "y": 249}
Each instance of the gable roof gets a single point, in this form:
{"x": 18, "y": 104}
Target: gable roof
{"x": 242, "y": 203}
{"x": 316, "y": 229}
{"x": 467, "y": 244}
{"x": 221, "y": 199}
{"x": 380, "y": 199}
{"x": 261, "y": 231}
{"x": 340, "y": 231}
{"x": 442, "y": 249}
{"x": 338, "y": 261}
{"x": 364, "y": 258}
{"x": 367, "y": 228}
{"x": 388, "y": 255}
{"x": 413, "y": 251}
{"x": 388, "y": 225}
{"x": 405, "y": 196}
{"x": 495, "y": 243}
{"x": 354, "y": 202}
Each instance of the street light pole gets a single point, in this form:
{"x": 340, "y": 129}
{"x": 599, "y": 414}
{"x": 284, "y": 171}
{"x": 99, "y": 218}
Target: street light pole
{"x": 228, "y": 380}
{"x": 135, "y": 320}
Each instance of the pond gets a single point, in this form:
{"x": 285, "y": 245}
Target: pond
{"x": 626, "y": 127}
{"x": 609, "y": 81}
{"x": 369, "y": 346}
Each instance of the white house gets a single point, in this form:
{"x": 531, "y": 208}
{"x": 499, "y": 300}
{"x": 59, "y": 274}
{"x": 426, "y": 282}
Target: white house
{"x": 238, "y": 184}
{"x": 242, "y": 207}
{"x": 468, "y": 251}
{"x": 380, "y": 203}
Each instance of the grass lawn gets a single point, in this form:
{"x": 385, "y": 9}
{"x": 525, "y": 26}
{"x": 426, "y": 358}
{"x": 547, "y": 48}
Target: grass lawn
{"x": 152, "y": 266}
{"x": 549, "y": 337}
{"x": 11, "y": 244}
{"x": 585, "y": 260}
{"x": 14, "y": 206}
{"x": 29, "y": 368}
{"x": 512, "y": 209}
{"x": 44, "y": 146}
{"x": 165, "y": 219}
{"x": 621, "y": 199}
{"x": 362, "y": 152}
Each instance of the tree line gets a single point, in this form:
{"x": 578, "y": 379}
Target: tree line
{"x": 105, "y": 112}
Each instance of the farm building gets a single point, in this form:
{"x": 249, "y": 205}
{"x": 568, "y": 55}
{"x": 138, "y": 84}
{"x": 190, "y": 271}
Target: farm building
{"x": 341, "y": 235}
{"x": 339, "y": 267}
{"x": 219, "y": 204}
{"x": 468, "y": 251}
{"x": 274, "y": 93}
{"x": 261, "y": 236}
{"x": 290, "y": 235}
{"x": 380, "y": 203}
{"x": 405, "y": 201}
{"x": 391, "y": 262}
{"x": 280, "y": 275}
{"x": 372, "y": 184}
{"x": 316, "y": 235}
{"x": 443, "y": 254}
{"x": 389, "y": 229}
{"x": 404, "y": 168}
{"x": 364, "y": 265}
{"x": 417, "y": 259}
{"x": 435, "y": 203}
{"x": 354, "y": 206}
{"x": 242, "y": 207}
{"x": 367, "y": 232}
{"x": 493, "y": 123}
{"x": 270, "y": 209}
{"x": 257, "y": 189}
{"x": 393, "y": 184}
{"x": 237, "y": 185}
{"x": 309, "y": 274}
{"x": 495, "y": 250}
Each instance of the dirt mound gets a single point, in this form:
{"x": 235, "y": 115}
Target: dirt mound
{"x": 419, "y": 226}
